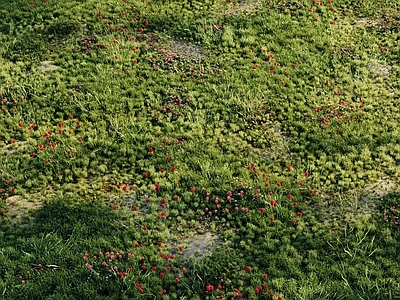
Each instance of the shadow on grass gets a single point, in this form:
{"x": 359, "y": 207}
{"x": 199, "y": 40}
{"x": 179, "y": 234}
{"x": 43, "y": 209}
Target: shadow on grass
{"x": 44, "y": 259}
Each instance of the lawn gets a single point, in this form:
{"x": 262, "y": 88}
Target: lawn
{"x": 187, "y": 149}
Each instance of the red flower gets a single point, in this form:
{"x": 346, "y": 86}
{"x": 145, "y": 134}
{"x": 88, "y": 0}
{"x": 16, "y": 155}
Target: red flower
{"x": 192, "y": 189}
{"x": 299, "y": 214}
{"x": 248, "y": 268}
{"x": 150, "y": 150}
{"x": 294, "y": 222}
{"x": 271, "y": 294}
{"x": 115, "y": 207}
{"x": 262, "y": 209}
{"x": 162, "y": 275}
{"x": 290, "y": 196}
{"x": 177, "y": 279}
{"x": 272, "y": 219}
{"x": 168, "y": 158}
{"x": 173, "y": 168}
{"x": 176, "y": 198}
{"x": 265, "y": 276}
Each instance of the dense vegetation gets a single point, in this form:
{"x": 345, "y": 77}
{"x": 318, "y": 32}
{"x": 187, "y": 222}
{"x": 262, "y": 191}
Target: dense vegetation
{"x": 190, "y": 149}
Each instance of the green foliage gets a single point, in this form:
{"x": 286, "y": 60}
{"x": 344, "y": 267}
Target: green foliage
{"x": 139, "y": 127}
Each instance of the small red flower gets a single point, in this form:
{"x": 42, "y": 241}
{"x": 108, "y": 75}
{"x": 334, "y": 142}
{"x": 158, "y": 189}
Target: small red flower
{"x": 115, "y": 207}
{"x": 177, "y": 279}
{"x": 168, "y": 158}
{"x": 299, "y": 214}
{"x": 272, "y": 219}
{"x": 150, "y": 150}
{"x": 265, "y": 276}
{"x": 262, "y": 209}
{"x": 162, "y": 275}
{"x": 192, "y": 189}
{"x": 248, "y": 268}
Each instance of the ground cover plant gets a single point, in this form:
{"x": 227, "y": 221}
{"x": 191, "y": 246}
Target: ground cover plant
{"x": 199, "y": 149}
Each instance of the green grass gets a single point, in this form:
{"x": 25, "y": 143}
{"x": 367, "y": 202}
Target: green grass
{"x": 199, "y": 150}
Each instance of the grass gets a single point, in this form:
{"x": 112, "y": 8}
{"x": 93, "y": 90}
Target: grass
{"x": 199, "y": 150}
